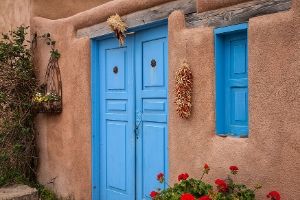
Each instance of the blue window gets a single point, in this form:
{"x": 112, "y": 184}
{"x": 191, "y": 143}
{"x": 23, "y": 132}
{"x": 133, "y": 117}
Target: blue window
{"x": 231, "y": 57}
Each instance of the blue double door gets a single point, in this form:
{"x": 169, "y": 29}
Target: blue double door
{"x": 133, "y": 116}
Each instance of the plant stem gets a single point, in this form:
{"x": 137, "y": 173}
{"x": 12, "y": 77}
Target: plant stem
{"x": 202, "y": 176}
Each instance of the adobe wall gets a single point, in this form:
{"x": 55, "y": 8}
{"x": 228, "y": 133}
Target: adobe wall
{"x": 56, "y": 9}
{"x": 268, "y": 156}
{"x": 14, "y": 13}
{"x": 65, "y": 140}
{"x": 271, "y": 153}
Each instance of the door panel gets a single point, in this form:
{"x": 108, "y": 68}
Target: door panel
{"x": 115, "y": 80}
{"x": 151, "y": 108}
{"x": 153, "y": 157}
{"x": 153, "y": 63}
{"x": 117, "y": 140}
{"x": 116, "y": 155}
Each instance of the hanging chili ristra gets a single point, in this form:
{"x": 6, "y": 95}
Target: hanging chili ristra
{"x": 183, "y": 90}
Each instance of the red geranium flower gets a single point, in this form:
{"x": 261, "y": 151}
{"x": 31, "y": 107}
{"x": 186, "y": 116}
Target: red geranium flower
{"x": 153, "y": 194}
{"x": 187, "y": 196}
{"x": 222, "y": 185}
{"x": 206, "y": 168}
{"x": 204, "y": 198}
{"x": 274, "y": 195}
{"x": 234, "y": 169}
{"x": 183, "y": 176}
{"x": 160, "y": 177}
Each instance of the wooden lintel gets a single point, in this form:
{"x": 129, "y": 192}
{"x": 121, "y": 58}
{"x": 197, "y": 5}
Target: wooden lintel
{"x": 236, "y": 14}
{"x": 141, "y": 17}
{"x": 221, "y": 17}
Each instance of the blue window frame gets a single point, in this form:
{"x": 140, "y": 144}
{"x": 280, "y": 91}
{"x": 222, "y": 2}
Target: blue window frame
{"x": 231, "y": 58}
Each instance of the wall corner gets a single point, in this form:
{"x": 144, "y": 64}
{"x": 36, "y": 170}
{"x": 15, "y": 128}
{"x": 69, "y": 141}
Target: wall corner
{"x": 296, "y": 7}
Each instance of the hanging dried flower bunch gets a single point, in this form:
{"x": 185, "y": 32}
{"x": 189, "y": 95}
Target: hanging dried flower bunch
{"x": 118, "y": 26}
{"x": 183, "y": 90}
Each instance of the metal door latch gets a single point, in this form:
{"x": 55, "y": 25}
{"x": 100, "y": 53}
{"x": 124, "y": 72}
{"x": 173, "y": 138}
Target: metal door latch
{"x": 138, "y": 123}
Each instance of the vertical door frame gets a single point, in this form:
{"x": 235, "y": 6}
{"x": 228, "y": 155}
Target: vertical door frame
{"x": 95, "y": 104}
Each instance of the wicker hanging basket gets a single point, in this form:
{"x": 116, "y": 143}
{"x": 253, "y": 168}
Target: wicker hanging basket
{"x": 49, "y": 97}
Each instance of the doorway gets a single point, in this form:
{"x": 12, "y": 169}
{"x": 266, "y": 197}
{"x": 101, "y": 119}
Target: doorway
{"x": 130, "y": 114}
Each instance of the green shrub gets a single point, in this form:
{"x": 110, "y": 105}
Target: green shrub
{"x": 18, "y": 156}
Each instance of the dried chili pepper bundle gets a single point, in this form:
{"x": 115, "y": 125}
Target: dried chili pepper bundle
{"x": 183, "y": 90}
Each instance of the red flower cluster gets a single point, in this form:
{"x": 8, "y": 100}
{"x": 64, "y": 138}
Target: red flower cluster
{"x": 183, "y": 176}
{"x": 274, "y": 195}
{"x": 206, "y": 168}
{"x": 187, "y": 196}
{"x": 204, "y": 198}
{"x": 234, "y": 169}
{"x": 153, "y": 194}
{"x": 222, "y": 185}
{"x": 160, "y": 177}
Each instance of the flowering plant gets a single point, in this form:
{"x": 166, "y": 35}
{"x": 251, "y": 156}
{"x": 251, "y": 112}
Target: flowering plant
{"x": 50, "y": 102}
{"x": 50, "y": 96}
{"x": 195, "y": 189}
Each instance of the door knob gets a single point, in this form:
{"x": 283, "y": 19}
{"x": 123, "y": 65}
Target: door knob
{"x": 153, "y": 63}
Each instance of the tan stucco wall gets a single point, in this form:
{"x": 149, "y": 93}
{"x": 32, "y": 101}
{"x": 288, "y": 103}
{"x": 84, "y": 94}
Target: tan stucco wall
{"x": 65, "y": 139}
{"x": 14, "y": 13}
{"x": 268, "y": 156}
{"x": 271, "y": 153}
{"x": 55, "y": 9}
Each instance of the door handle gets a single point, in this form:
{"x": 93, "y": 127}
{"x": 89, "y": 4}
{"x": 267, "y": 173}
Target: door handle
{"x": 138, "y": 123}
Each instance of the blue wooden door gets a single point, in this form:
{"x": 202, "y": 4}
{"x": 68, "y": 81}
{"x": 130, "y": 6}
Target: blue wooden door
{"x": 151, "y": 60}
{"x": 133, "y": 112}
{"x": 236, "y": 81}
{"x": 117, "y": 139}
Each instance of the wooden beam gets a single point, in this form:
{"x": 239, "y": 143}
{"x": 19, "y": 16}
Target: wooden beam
{"x": 141, "y": 17}
{"x": 236, "y": 14}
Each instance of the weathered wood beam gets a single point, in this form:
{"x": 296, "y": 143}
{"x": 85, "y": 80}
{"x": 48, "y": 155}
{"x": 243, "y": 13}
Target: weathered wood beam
{"x": 236, "y": 14}
{"x": 141, "y": 17}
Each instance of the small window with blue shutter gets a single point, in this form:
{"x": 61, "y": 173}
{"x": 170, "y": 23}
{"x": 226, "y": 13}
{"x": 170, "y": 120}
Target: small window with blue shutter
{"x": 231, "y": 58}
